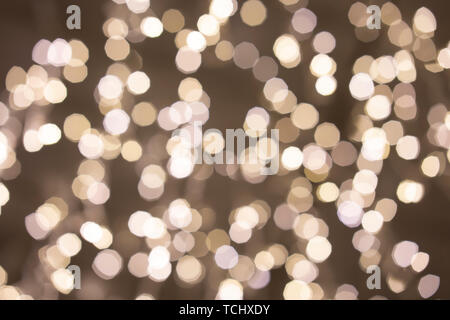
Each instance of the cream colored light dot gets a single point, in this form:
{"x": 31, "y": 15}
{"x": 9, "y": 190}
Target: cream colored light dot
{"x": 143, "y": 114}
{"x": 444, "y": 58}
{"x": 113, "y": 27}
{"x": 289, "y": 2}
{"x": 117, "y": 48}
{"x": 23, "y": 96}
{"x": 393, "y": 130}
{"x": 213, "y": 142}
{"x": 222, "y": 9}
{"x": 69, "y": 244}
{"x": 136, "y": 6}
{"x": 428, "y": 285}
{"x": 62, "y": 280}
{"x": 75, "y": 74}
{"x": 3, "y": 277}
{"x": 327, "y": 192}
{"x": 253, "y": 12}
{"x": 321, "y": 65}
{"x": 4, "y": 194}
{"x": 230, "y": 289}
{"x": 15, "y": 76}
{"x": 305, "y": 116}
{"x": 387, "y": 207}
{"x": 372, "y": 221}
{"x": 208, "y": 25}
{"x": 190, "y": 89}
{"x": 55, "y": 91}
{"x": 151, "y": 27}
{"x": 276, "y": 90}
{"x": 327, "y": 135}
{"x": 110, "y": 87}
{"x": 188, "y": 60}
{"x": 297, "y": 290}
{"x": 408, "y": 147}
{"x": 264, "y": 261}
{"x": 318, "y": 249}
{"x": 75, "y": 125}
{"x": 361, "y": 86}
{"x": 409, "y": 191}
{"x": 138, "y": 82}
{"x": 287, "y": 50}
{"x": 378, "y": 107}
{"x": 420, "y": 261}
{"x": 49, "y": 133}
{"x": 196, "y": 41}
{"x": 292, "y": 158}
{"x": 131, "y": 151}
{"x": 424, "y": 20}
{"x": 224, "y": 50}
{"x": 189, "y": 269}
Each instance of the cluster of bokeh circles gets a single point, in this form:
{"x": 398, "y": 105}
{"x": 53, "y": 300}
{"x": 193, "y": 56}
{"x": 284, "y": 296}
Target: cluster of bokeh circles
{"x": 184, "y": 241}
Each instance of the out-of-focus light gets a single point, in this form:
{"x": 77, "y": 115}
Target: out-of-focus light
{"x": 151, "y": 27}
{"x": 49, "y": 133}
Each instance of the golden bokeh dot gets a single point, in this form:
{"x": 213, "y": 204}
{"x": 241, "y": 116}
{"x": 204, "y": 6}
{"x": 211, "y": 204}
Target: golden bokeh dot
{"x": 115, "y": 27}
{"x": 173, "y": 20}
{"x": 305, "y": 116}
{"x": 390, "y": 13}
{"x": 216, "y": 239}
{"x": 80, "y": 53}
{"x": 75, "y": 74}
{"x": 253, "y": 12}
{"x": 287, "y": 49}
{"x": 190, "y": 89}
{"x": 264, "y": 260}
{"x": 15, "y": 76}
{"x": 143, "y": 114}
{"x": 224, "y": 50}
{"x": 297, "y": 290}
{"x": 55, "y": 91}
{"x": 117, "y": 48}
{"x": 189, "y": 269}
{"x": 75, "y": 126}
{"x": 327, "y": 135}
{"x": 430, "y": 166}
{"x": 232, "y": 247}
{"x": 358, "y": 15}
{"x": 94, "y": 168}
{"x": 287, "y": 131}
{"x": 3, "y": 276}
{"x": 327, "y": 192}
